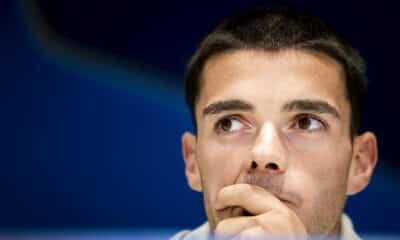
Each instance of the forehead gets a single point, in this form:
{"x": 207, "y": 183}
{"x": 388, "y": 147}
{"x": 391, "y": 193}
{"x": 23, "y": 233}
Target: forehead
{"x": 268, "y": 79}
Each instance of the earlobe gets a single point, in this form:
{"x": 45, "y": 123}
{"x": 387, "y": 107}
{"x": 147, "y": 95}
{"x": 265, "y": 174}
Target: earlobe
{"x": 364, "y": 159}
{"x": 191, "y": 166}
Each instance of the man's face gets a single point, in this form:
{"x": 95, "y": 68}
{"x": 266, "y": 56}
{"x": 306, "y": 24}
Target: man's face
{"x": 279, "y": 120}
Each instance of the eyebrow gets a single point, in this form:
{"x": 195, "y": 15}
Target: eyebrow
{"x": 295, "y": 105}
{"x": 311, "y": 105}
{"x": 227, "y": 105}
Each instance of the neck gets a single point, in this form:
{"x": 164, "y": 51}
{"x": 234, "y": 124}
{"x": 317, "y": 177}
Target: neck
{"x": 335, "y": 234}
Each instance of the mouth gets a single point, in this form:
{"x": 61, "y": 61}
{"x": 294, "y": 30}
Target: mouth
{"x": 246, "y": 213}
{"x": 288, "y": 204}
{"x": 284, "y": 201}
{"x": 238, "y": 212}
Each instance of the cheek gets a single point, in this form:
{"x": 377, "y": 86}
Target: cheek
{"x": 322, "y": 157}
{"x": 220, "y": 163}
{"x": 319, "y": 173}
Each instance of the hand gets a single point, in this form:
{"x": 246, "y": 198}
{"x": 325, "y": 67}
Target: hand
{"x": 271, "y": 216}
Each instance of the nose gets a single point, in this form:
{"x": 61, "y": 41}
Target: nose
{"x": 268, "y": 152}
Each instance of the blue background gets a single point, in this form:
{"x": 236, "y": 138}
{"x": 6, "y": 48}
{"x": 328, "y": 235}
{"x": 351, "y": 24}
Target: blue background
{"x": 92, "y": 111}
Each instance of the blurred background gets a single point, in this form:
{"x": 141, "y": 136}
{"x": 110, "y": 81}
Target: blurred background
{"x": 92, "y": 111}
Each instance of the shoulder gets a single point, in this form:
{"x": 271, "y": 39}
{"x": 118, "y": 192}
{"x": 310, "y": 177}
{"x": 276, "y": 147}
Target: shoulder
{"x": 347, "y": 229}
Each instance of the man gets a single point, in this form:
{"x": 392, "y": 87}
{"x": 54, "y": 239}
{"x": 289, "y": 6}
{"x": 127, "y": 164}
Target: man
{"x": 276, "y": 97}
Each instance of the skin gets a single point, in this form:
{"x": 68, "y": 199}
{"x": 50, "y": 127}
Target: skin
{"x": 264, "y": 167}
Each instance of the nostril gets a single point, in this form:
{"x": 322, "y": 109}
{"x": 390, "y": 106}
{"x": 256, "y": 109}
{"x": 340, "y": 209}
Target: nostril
{"x": 254, "y": 165}
{"x": 272, "y": 166}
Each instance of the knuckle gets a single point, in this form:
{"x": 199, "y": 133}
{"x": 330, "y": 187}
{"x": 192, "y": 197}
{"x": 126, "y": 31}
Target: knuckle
{"x": 246, "y": 188}
{"x": 221, "y": 226}
{"x": 287, "y": 213}
{"x": 260, "y": 221}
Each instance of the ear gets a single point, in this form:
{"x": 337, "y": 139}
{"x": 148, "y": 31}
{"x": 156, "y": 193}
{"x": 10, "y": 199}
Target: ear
{"x": 364, "y": 159}
{"x": 191, "y": 166}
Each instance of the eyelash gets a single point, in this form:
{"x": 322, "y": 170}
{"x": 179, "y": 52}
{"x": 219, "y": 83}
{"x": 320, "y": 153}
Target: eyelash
{"x": 309, "y": 115}
{"x": 217, "y": 126}
{"x": 219, "y": 130}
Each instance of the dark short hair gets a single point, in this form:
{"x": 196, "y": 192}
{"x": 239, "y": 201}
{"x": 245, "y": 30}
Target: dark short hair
{"x": 277, "y": 28}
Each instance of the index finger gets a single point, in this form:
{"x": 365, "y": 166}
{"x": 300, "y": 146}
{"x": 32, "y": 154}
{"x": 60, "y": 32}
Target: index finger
{"x": 253, "y": 198}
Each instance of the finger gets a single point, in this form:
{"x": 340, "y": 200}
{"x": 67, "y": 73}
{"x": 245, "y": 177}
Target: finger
{"x": 228, "y": 228}
{"x": 253, "y": 233}
{"x": 286, "y": 225}
{"x": 253, "y": 198}
{"x": 274, "y": 223}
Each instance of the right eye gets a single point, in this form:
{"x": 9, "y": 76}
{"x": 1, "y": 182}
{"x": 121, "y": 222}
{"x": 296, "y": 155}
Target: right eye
{"x": 229, "y": 124}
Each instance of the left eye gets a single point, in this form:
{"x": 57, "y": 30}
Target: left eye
{"x": 308, "y": 123}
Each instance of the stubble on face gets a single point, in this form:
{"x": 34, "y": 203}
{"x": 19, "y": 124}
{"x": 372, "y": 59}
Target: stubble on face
{"x": 320, "y": 212}
{"x": 322, "y": 220}
{"x": 328, "y": 205}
